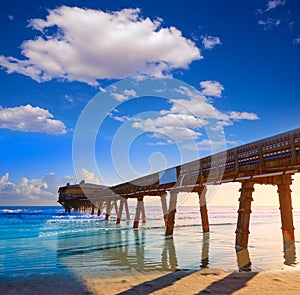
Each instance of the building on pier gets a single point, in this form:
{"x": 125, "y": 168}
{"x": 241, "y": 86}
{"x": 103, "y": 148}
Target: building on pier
{"x": 74, "y": 196}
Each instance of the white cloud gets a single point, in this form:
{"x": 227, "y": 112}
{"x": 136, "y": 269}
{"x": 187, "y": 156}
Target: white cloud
{"x": 296, "y": 40}
{"x": 88, "y": 176}
{"x": 31, "y": 191}
{"x": 68, "y": 98}
{"x": 160, "y": 143}
{"x": 126, "y": 94}
{"x": 30, "y": 119}
{"x": 209, "y": 42}
{"x": 275, "y": 3}
{"x": 243, "y": 116}
{"x": 11, "y": 17}
{"x": 37, "y": 191}
{"x": 212, "y": 88}
{"x": 196, "y": 104}
{"x": 86, "y": 45}
{"x": 186, "y": 117}
{"x": 174, "y": 126}
{"x": 205, "y": 145}
{"x": 269, "y": 23}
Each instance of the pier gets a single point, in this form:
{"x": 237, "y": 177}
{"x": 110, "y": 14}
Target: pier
{"x": 270, "y": 161}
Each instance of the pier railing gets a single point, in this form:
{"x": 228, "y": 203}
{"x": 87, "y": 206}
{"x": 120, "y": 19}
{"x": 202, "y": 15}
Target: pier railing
{"x": 272, "y": 156}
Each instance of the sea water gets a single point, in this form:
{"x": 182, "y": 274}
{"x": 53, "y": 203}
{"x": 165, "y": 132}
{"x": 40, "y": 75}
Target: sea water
{"x": 42, "y": 241}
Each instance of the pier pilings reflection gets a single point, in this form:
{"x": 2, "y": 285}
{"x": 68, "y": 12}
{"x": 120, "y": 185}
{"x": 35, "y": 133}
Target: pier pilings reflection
{"x": 126, "y": 249}
{"x": 169, "y": 252}
{"x": 123, "y": 249}
{"x": 289, "y": 254}
{"x": 245, "y": 264}
{"x": 116, "y": 249}
{"x": 243, "y": 259}
{"x": 205, "y": 251}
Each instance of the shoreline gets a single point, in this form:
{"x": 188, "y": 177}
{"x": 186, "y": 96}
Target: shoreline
{"x": 205, "y": 281}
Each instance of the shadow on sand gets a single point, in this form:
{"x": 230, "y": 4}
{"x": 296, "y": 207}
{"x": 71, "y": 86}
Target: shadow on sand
{"x": 159, "y": 283}
{"x": 233, "y": 282}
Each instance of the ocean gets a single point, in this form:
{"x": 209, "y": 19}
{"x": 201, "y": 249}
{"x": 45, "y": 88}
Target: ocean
{"x": 45, "y": 241}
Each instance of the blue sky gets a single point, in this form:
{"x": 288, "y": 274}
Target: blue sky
{"x": 238, "y": 62}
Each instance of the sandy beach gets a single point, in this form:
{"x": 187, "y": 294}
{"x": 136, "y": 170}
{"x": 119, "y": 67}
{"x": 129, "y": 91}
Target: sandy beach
{"x": 207, "y": 281}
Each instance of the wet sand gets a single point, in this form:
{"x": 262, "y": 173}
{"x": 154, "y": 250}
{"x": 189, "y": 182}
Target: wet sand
{"x": 207, "y": 281}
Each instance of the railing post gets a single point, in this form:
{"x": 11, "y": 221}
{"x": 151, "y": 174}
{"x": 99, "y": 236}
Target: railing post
{"x": 172, "y": 213}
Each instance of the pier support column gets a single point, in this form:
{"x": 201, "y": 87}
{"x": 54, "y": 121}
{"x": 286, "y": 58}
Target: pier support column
{"x": 242, "y": 230}
{"x": 116, "y": 207}
{"x": 100, "y": 208}
{"x": 203, "y": 209}
{"x": 127, "y": 210}
{"x": 120, "y": 211}
{"x": 93, "y": 210}
{"x": 108, "y": 210}
{"x": 285, "y": 201}
{"x": 163, "y": 199}
{"x": 172, "y": 213}
{"x": 143, "y": 212}
{"x": 138, "y": 212}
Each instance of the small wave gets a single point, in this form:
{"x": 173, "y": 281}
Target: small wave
{"x": 11, "y": 211}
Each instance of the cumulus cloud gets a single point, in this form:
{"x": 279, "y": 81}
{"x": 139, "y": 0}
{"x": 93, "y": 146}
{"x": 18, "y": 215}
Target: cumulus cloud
{"x": 243, "y": 116}
{"x": 78, "y": 44}
{"x": 38, "y": 191}
{"x": 88, "y": 176}
{"x": 31, "y": 191}
{"x": 209, "y": 42}
{"x": 30, "y": 119}
{"x": 126, "y": 94}
{"x": 274, "y": 3}
{"x": 212, "y": 88}
{"x": 186, "y": 117}
{"x": 174, "y": 126}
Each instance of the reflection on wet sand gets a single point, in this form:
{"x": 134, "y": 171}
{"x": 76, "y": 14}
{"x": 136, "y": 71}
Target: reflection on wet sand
{"x": 123, "y": 249}
{"x": 289, "y": 250}
{"x": 205, "y": 251}
{"x": 169, "y": 251}
{"x": 116, "y": 249}
{"x": 243, "y": 259}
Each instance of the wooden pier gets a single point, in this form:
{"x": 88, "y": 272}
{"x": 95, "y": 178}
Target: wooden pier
{"x": 270, "y": 161}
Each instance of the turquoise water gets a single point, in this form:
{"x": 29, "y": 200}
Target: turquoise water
{"x": 40, "y": 241}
